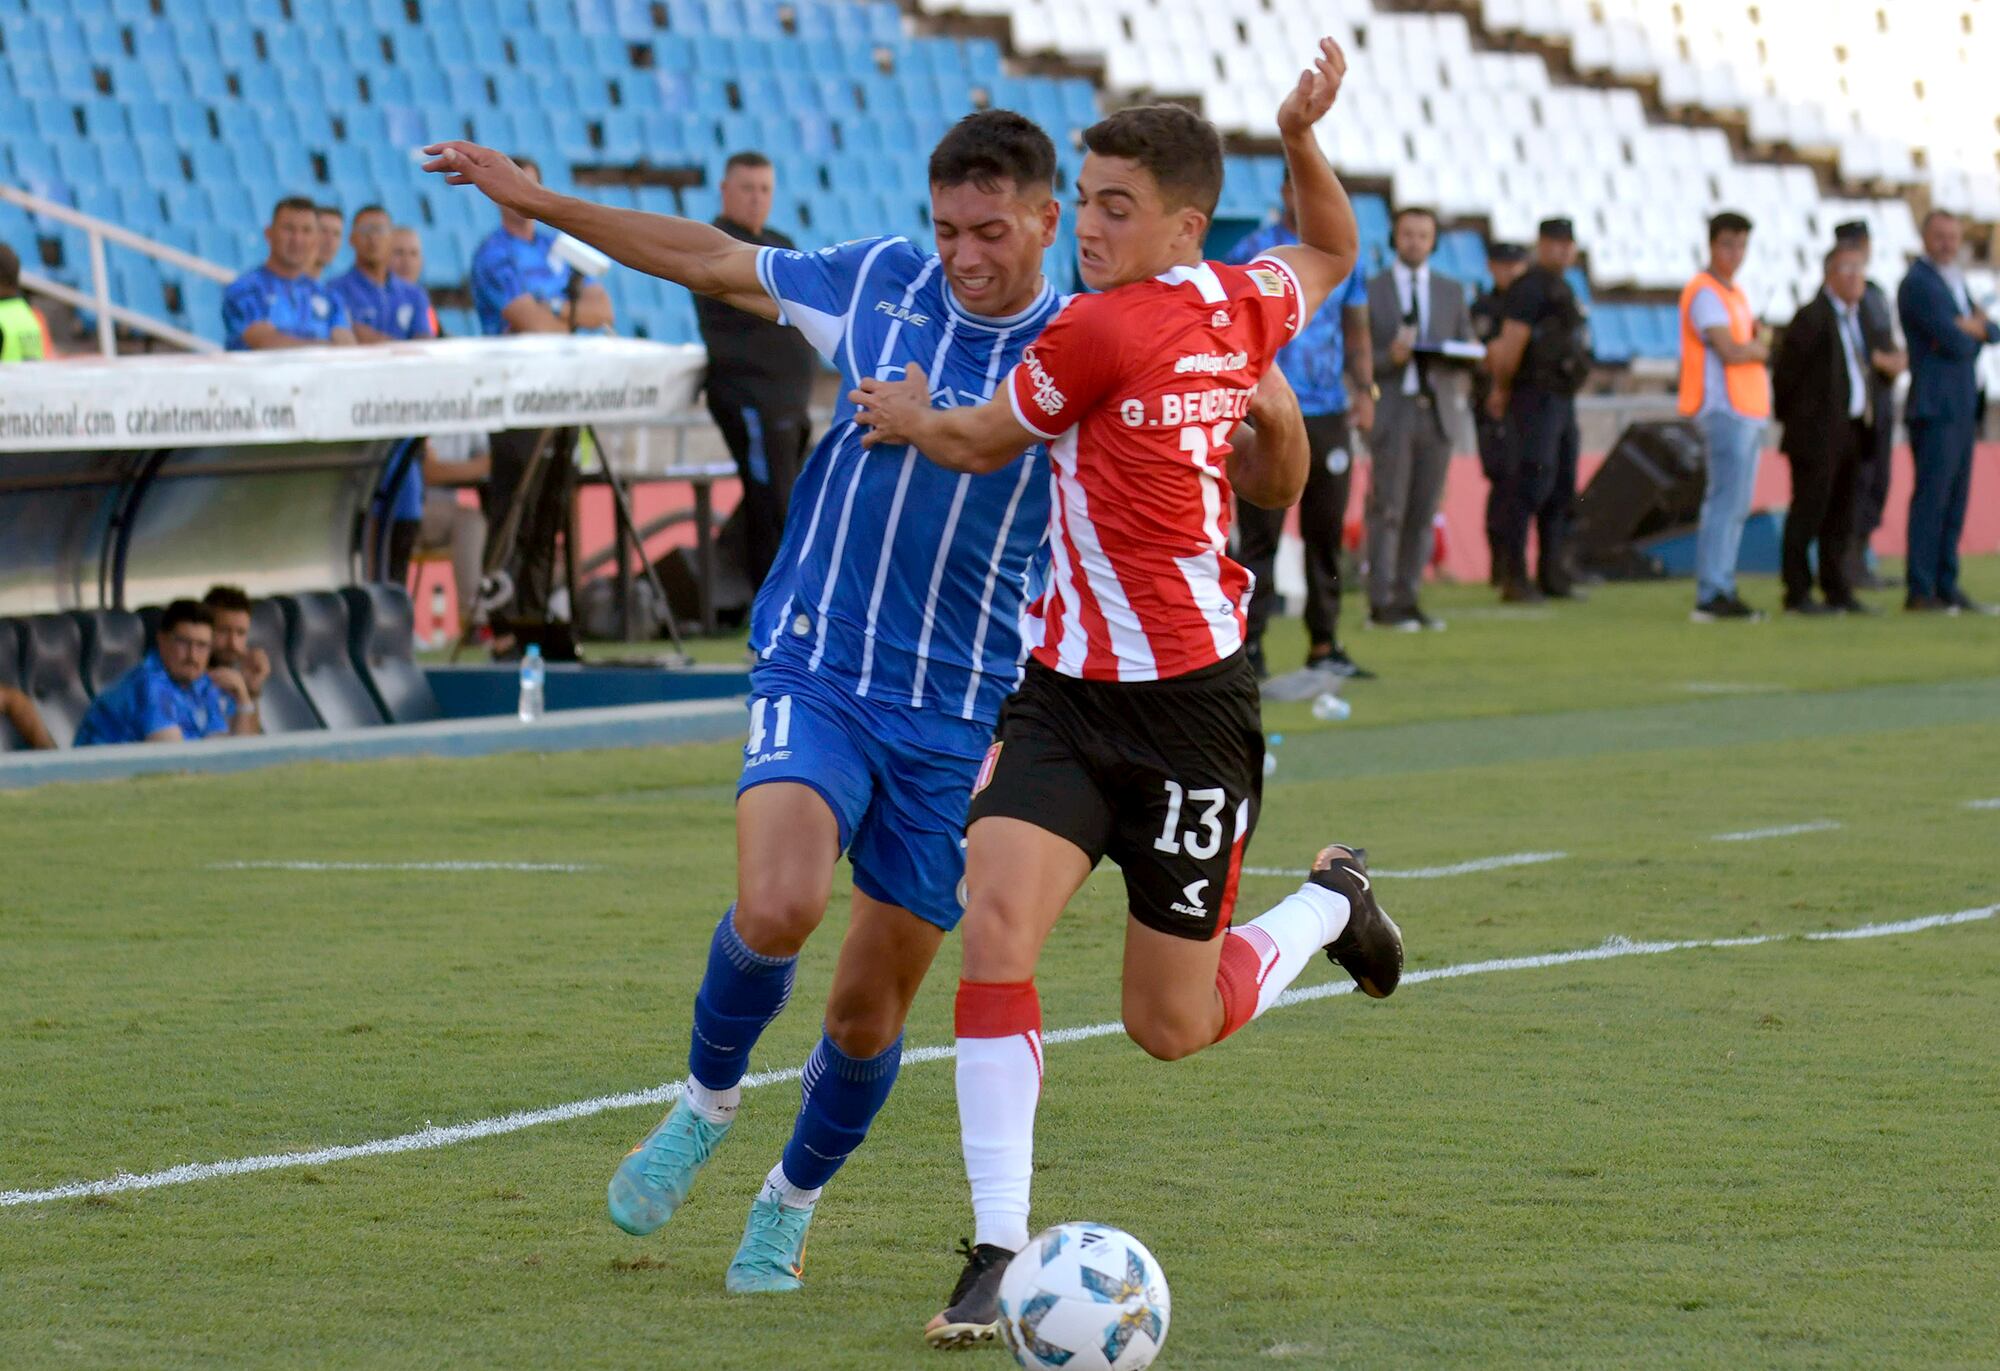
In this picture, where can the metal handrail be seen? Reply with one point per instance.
(100, 232)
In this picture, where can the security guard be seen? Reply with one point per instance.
(1504, 263)
(1538, 363)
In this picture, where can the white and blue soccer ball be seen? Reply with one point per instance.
(1084, 1297)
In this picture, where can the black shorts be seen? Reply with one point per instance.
(1163, 777)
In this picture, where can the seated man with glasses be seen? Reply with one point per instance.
(170, 697)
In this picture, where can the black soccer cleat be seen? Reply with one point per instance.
(1370, 948)
(973, 1314)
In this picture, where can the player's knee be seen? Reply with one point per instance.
(774, 917)
(1167, 1037)
(998, 933)
(863, 1026)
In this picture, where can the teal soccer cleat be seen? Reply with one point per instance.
(655, 1177)
(773, 1251)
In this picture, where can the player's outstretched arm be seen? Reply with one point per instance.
(1329, 240)
(977, 439)
(699, 256)
(1269, 469)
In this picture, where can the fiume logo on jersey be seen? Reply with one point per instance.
(1047, 398)
(1209, 363)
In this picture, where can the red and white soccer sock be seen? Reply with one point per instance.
(1263, 957)
(999, 1084)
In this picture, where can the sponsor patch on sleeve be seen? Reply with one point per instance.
(1267, 280)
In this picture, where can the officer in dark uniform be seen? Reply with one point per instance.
(1504, 263)
(1539, 361)
(1887, 361)
(760, 375)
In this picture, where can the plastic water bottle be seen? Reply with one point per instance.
(533, 672)
(440, 635)
(1331, 709)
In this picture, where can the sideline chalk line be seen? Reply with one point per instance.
(1431, 873)
(433, 1136)
(1751, 835)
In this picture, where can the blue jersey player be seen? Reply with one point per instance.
(885, 637)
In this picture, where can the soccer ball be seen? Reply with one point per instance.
(1084, 1297)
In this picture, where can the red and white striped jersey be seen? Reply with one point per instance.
(1137, 391)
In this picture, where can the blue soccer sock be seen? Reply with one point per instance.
(842, 1095)
(741, 992)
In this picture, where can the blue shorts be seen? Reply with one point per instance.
(897, 780)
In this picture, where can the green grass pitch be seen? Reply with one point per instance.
(1780, 1154)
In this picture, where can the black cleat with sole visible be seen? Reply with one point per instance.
(972, 1316)
(1370, 948)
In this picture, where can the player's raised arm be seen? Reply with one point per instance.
(1268, 458)
(1329, 240)
(974, 438)
(699, 256)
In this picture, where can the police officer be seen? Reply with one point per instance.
(1887, 361)
(760, 374)
(1504, 263)
(1538, 363)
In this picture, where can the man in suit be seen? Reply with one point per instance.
(1886, 361)
(1421, 412)
(1945, 330)
(1824, 396)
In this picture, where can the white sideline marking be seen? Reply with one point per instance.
(1729, 687)
(400, 866)
(432, 1136)
(1983, 804)
(1751, 835)
(1432, 873)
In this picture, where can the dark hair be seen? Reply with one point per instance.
(1729, 221)
(230, 599)
(293, 202)
(334, 210)
(994, 146)
(185, 612)
(1420, 210)
(1181, 149)
(372, 209)
(10, 269)
(527, 163)
(749, 158)
(1936, 215)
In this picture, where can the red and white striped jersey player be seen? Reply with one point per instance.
(1136, 732)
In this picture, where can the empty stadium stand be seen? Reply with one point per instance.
(52, 673)
(283, 708)
(381, 626)
(184, 121)
(316, 644)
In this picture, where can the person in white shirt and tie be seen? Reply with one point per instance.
(1823, 396)
(1422, 413)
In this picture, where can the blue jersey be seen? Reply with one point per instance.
(1313, 361)
(505, 268)
(298, 305)
(146, 699)
(896, 577)
(397, 307)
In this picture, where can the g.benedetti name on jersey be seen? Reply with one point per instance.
(1176, 408)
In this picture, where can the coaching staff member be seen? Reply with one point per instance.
(760, 374)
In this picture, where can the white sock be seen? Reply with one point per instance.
(777, 1187)
(1287, 936)
(999, 1084)
(717, 1106)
